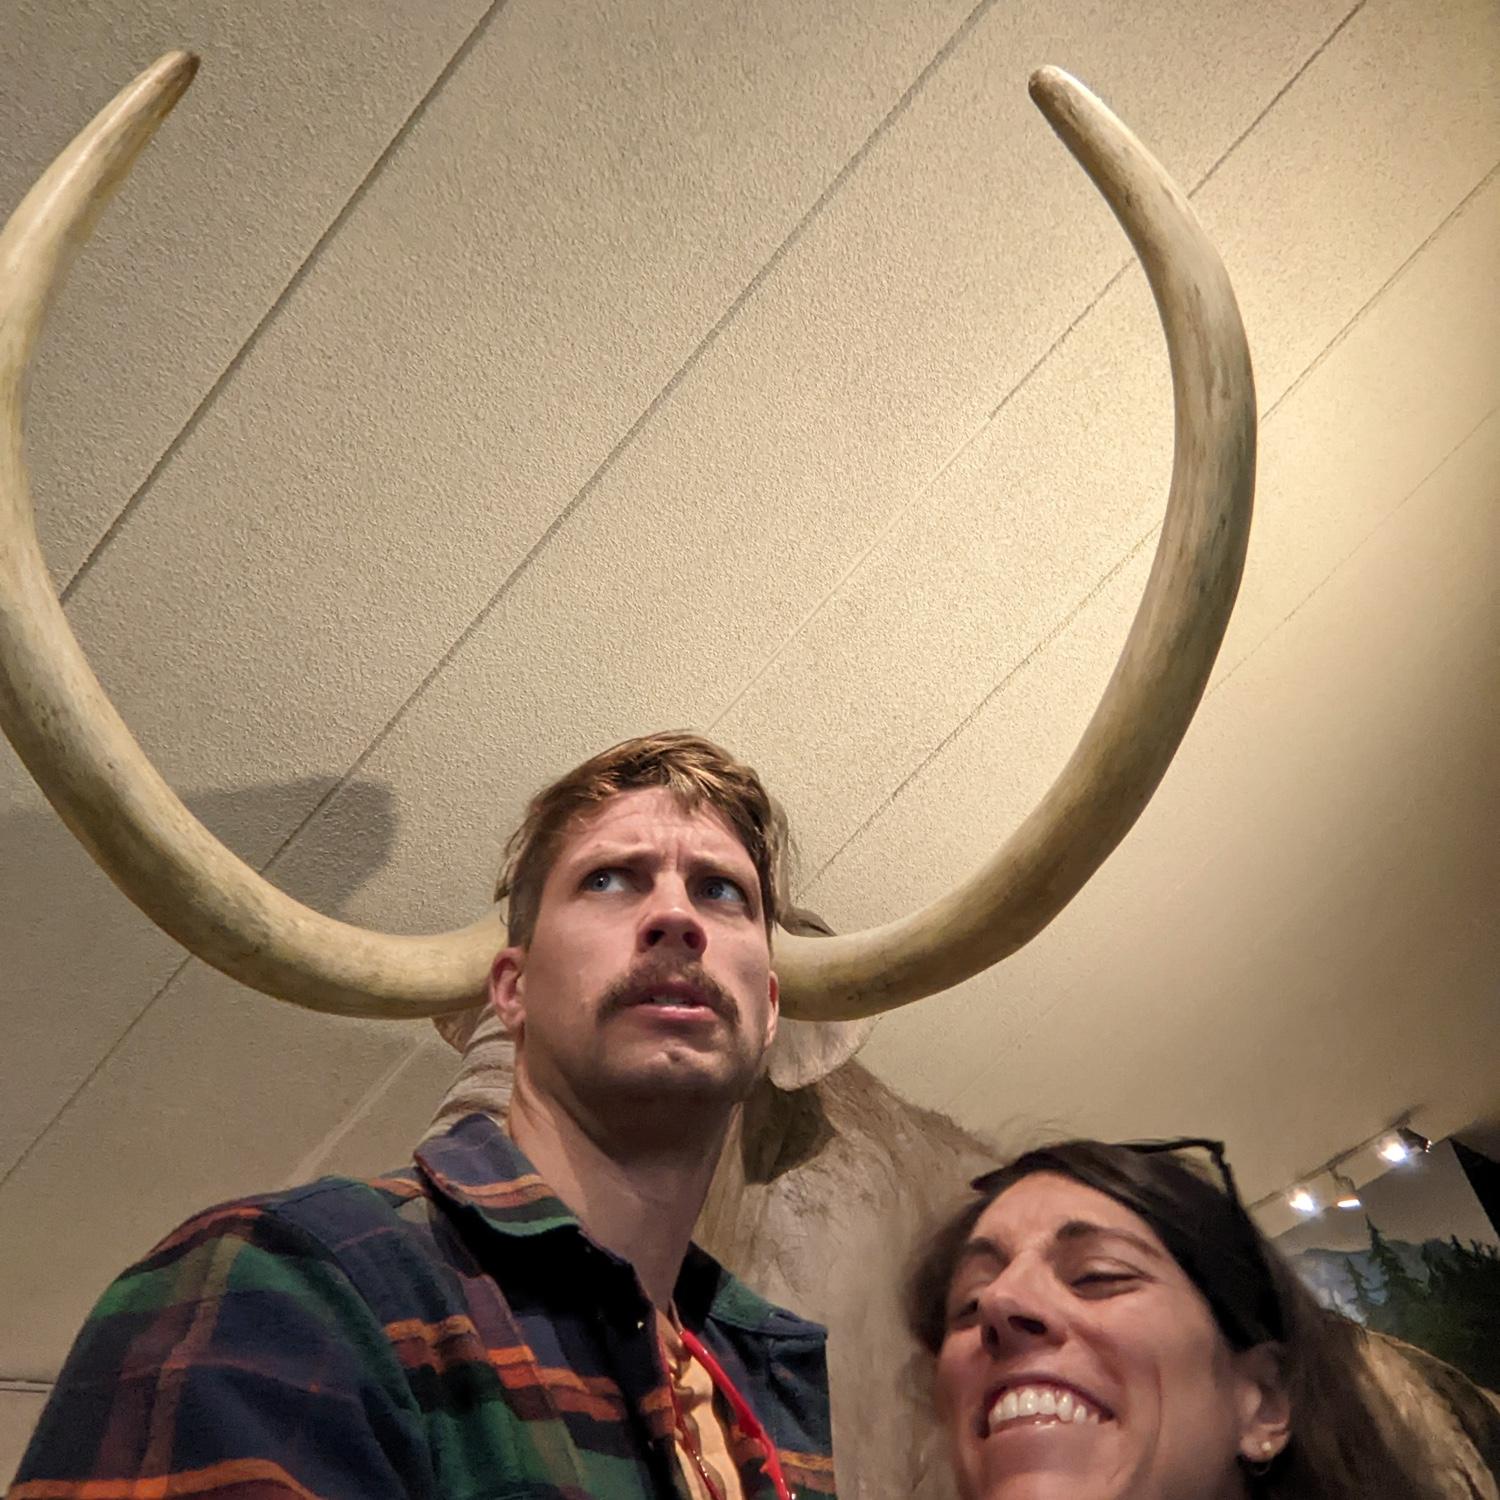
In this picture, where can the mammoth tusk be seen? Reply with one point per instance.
(67, 732)
(75, 745)
(1174, 638)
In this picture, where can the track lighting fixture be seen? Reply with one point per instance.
(1402, 1144)
(1327, 1184)
(1347, 1193)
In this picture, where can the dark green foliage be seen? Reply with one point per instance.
(1454, 1312)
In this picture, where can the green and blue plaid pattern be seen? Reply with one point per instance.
(447, 1331)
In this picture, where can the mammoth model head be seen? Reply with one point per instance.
(75, 745)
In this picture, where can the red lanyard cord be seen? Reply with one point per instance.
(743, 1416)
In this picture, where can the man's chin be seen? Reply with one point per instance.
(678, 1076)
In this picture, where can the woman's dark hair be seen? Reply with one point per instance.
(1347, 1441)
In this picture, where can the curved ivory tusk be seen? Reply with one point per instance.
(67, 732)
(1164, 667)
(96, 776)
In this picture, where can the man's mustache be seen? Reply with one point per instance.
(648, 978)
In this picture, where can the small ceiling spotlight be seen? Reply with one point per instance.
(1302, 1200)
(1348, 1194)
(1402, 1144)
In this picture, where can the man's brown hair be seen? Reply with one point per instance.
(696, 771)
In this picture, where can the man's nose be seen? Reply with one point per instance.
(1014, 1315)
(671, 923)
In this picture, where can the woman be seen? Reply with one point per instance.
(1107, 1322)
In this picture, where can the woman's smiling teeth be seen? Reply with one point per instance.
(1038, 1405)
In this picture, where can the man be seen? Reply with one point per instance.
(521, 1312)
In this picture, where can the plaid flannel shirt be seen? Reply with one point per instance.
(449, 1330)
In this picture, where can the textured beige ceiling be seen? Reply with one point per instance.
(451, 393)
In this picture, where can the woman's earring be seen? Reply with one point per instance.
(1261, 1465)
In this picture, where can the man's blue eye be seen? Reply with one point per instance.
(600, 880)
(721, 888)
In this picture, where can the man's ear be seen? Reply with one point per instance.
(507, 989)
(773, 1015)
(1265, 1408)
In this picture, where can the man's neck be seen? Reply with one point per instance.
(637, 1198)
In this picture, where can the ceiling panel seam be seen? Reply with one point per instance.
(952, 1103)
(964, 445)
(900, 512)
(1359, 546)
(282, 298)
(798, 231)
(607, 463)
(1133, 551)
(806, 882)
(460, 54)
(1057, 629)
(313, 1160)
(1280, 94)
(1456, 212)
(749, 290)
(100, 1062)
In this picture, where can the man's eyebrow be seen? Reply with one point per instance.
(1083, 1229)
(605, 852)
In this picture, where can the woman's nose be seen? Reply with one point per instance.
(1013, 1315)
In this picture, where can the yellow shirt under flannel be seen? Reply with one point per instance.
(702, 1439)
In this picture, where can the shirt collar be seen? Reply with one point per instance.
(477, 1165)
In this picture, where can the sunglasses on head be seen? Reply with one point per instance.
(1215, 1150)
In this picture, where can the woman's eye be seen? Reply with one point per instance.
(963, 1312)
(1104, 1280)
(604, 880)
(722, 888)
